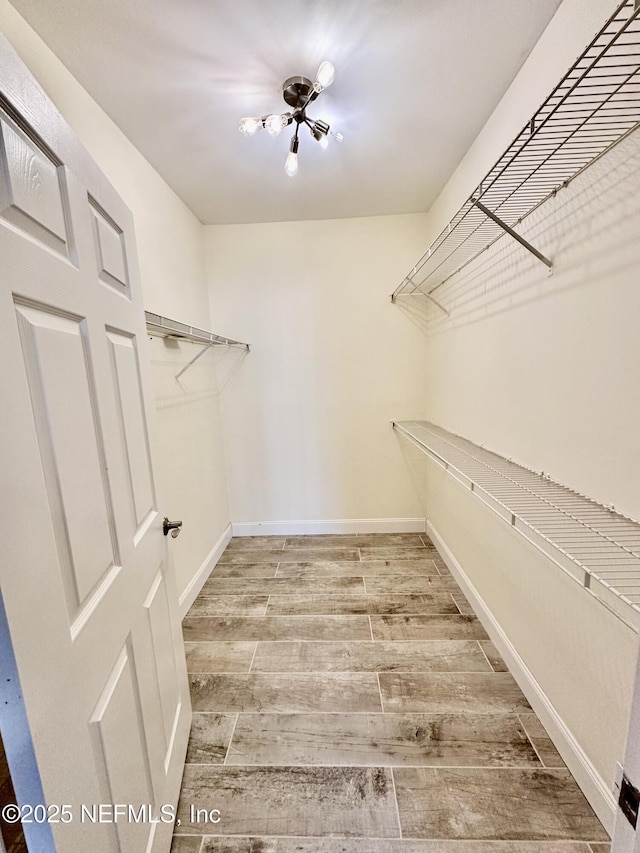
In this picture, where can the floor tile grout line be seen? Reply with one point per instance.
(325, 672)
(533, 746)
(380, 692)
(500, 843)
(319, 640)
(235, 594)
(395, 797)
(287, 600)
(583, 846)
(326, 576)
(371, 627)
(226, 755)
(453, 598)
(371, 712)
(339, 594)
(454, 643)
(511, 714)
(243, 615)
(255, 650)
(497, 769)
(338, 589)
(493, 669)
(320, 615)
(262, 564)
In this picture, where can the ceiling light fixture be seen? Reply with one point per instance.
(298, 92)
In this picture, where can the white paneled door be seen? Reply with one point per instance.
(90, 601)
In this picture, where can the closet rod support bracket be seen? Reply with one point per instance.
(512, 233)
(194, 359)
(436, 303)
(422, 293)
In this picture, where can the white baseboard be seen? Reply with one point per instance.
(593, 786)
(191, 592)
(339, 525)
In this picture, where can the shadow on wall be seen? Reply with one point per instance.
(228, 363)
(418, 465)
(588, 229)
(206, 379)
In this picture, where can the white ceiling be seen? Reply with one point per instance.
(415, 82)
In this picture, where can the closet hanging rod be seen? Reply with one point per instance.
(594, 106)
(166, 328)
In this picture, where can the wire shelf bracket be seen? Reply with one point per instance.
(204, 349)
(165, 328)
(594, 107)
(512, 233)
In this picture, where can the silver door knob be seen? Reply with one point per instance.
(173, 526)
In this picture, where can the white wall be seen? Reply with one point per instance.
(170, 251)
(542, 368)
(191, 459)
(307, 417)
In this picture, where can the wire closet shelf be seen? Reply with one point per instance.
(598, 547)
(163, 327)
(595, 106)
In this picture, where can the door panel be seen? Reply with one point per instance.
(88, 587)
(33, 196)
(126, 377)
(123, 749)
(70, 447)
(110, 250)
(158, 612)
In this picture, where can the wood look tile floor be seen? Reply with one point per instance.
(347, 700)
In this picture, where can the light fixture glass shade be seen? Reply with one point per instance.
(248, 126)
(325, 76)
(275, 123)
(291, 164)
